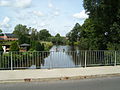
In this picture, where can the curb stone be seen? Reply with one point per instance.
(58, 79)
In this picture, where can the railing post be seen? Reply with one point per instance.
(85, 59)
(11, 62)
(115, 59)
(50, 60)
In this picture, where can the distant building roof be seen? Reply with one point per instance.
(25, 45)
(1, 34)
(10, 35)
(1, 39)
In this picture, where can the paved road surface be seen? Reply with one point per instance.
(109, 83)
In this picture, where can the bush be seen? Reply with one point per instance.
(37, 46)
(1, 49)
(47, 45)
(14, 47)
(76, 43)
(113, 46)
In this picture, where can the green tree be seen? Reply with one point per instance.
(44, 35)
(42, 47)
(105, 17)
(22, 32)
(37, 46)
(14, 46)
(90, 37)
(0, 30)
(57, 35)
(34, 34)
(58, 39)
(74, 34)
(1, 49)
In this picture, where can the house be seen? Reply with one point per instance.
(5, 39)
(24, 47)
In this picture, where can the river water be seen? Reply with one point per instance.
(61, 57)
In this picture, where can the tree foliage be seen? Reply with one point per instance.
(105, 16)
(1, 49)
(34, 34)
(74, 34)
(31, 36)
(44, 35)
(14, 47)
(0, 30)
(58, 39)
(22, 33)
(101, 31)
(37, 46)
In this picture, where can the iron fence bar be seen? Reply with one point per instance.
(115, 58)
(85, 59)
(11, 62)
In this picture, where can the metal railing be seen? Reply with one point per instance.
(55, 59)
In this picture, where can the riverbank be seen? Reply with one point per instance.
(47, 45)
(57, 74)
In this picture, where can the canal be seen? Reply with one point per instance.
(61, 57)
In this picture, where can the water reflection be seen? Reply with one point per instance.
(68, 56)
(62, 57)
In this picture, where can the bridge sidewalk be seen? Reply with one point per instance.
(57, 74)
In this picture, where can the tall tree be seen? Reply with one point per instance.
(44, 34)
(57, 35)
(0, 30)
(74, 34)
(34, 34)
(58, 39)
(22, 32)
(105, 18)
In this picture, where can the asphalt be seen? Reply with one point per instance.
(106, 83)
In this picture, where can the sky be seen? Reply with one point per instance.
(57, 16)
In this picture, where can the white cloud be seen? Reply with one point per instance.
(81, 15)
(56, 13)
(38, 13)
(16, 3)
(4, 3)
(34, 22)
(23, 3)
(50, 5)
(42, 24)
(5, 22)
